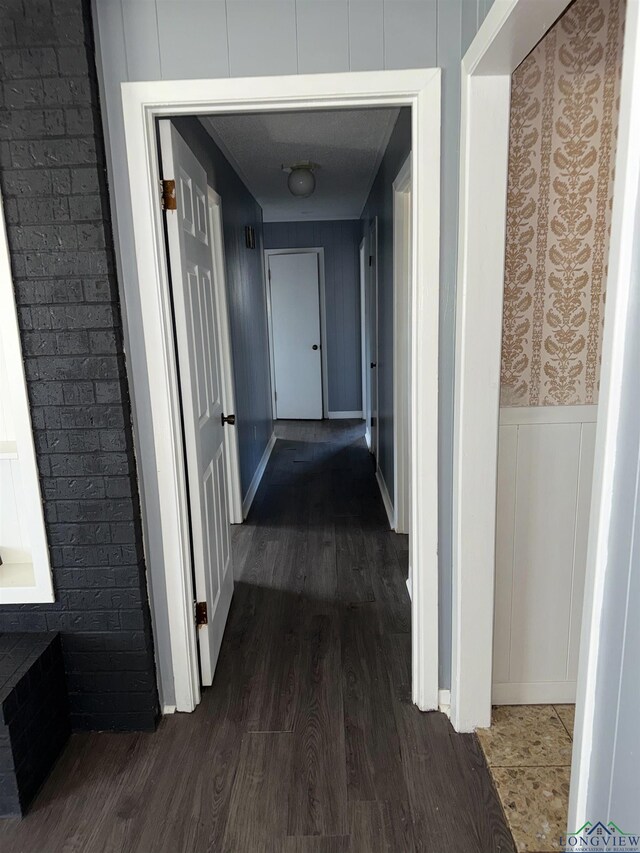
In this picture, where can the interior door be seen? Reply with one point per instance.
(294, 288)
(197, 323)
(373, 336)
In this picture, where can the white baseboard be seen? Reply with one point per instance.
(168, 709)
(444, 702)
(386, 500)
(257, 477)
(336, 416)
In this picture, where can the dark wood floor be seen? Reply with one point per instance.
(308, 741)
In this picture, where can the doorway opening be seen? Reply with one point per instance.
(549, 319)
(166, 489)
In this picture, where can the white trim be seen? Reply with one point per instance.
(534, 693)
(386, 499)
(444, 702)
(336, 416)
(319, 251)
(257, 477)
(512, 415)
(168, 709)
(15, 397)
(152, 367)
(616, 375)
(402, 189)
(231, 447)
(509, 32)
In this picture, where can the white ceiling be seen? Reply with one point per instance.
(348, 145)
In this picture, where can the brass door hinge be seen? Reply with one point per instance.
(168, 195)
(201, 613)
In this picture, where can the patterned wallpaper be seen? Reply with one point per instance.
(564, 113)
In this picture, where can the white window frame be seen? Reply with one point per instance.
(153, 368)
(15, 396)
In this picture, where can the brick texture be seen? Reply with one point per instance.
(34, 715)
(52, 175)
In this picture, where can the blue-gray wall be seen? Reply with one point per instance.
(245, 290)
(171, 39)
(380, 204)
(340, 241)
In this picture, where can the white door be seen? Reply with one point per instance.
(372, 292)
(364, 344)
(294, 288)
(197, 322)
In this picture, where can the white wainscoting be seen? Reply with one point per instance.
(545, 468)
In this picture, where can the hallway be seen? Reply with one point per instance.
(308, 741)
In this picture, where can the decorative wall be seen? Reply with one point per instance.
(564, 114)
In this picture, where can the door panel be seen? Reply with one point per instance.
(197, 323)
(295, 330)
(373, 336)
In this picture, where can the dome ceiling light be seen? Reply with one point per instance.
(301, 180)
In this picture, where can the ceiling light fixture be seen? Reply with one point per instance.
(301, 180)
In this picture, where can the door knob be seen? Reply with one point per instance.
(227, 419)
(315, 346)
(373, 364)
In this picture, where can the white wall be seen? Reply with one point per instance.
(545, 469)
(169, 39)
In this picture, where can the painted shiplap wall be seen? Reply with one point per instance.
(246, 298)
(340, 241)
(169, 39)
(380, 204)
(545, 469)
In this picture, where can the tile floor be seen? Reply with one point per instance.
(528, 749)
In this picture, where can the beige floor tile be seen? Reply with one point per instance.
(525, 736)
(567, 715)
(535, 802)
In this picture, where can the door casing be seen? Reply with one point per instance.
(153, 372)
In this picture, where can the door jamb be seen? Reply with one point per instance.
(152, 368)
(232, 451)
(319, 252)
(402, 189)
(510, 31)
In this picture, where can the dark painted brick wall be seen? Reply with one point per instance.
(52, 174)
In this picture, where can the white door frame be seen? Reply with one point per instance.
(319, 251)
(153, 370)
(362, 260)
(510, 31)
(402, 188)
(232, 451)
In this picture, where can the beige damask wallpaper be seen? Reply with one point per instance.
(564, 114)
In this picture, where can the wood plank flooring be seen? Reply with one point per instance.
(308, 741)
